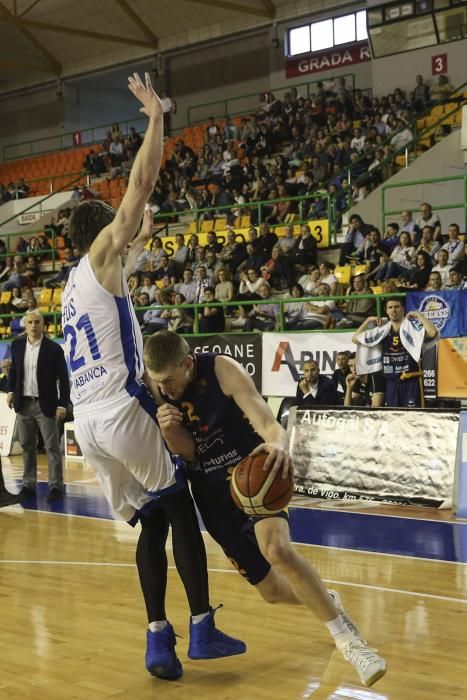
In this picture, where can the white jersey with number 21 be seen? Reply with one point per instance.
(104, 345)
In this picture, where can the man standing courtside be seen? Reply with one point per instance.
(115, 415)
(38, 365)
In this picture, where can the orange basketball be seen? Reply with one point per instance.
(256, 491)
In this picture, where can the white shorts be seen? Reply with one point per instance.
(122, 442)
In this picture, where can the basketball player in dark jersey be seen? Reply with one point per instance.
(213, 416)
(402, 374)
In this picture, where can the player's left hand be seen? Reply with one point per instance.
(168, 416)
(415, 314)
(278, 458)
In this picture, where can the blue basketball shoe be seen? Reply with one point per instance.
(161, 659)
(207, 642)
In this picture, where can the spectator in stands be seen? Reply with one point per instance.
(328, 277)
(142, 301)
(442, 266)
(202, 281)
(418, 277)
(427, 244)
(356, 310)
(391, 237)
(17, 303)
(315, 389)
(187, 288)
(157, 319)
(402, 137)
(310, 280)
(263, 317)
(277, 270)
(5, 367)
(151, 259)
(317, 315)
(17, 277)
(305, 251)
(440, 91)
(211, 318)
(340, 373)
(421, 94)
(409, 225)
(116, 153)
(224, 290)
(287, 242)
(116, 132)
(166, 269)
(68, 262)
(32, 270)
(400, 261)
(233, 253)
(212, 245)
(6, 266)
(22, 188)
(148, 287)
(365, 389)
(455, 278)
(375, 253)
(266, 241)
(293, 311)
(454, 246)
(435, 283)
(180, 319)
(428, 218)
(354, 239)
(211, 132)
(94, 163)
(134, 140)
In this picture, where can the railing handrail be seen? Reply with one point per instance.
(278, 88)
(280, 302)
(425, 181)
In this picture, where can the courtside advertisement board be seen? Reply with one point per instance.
(285, 353)
(401, 457)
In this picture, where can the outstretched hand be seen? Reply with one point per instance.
(145, 94)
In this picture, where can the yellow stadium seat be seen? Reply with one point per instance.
(45, 297)
(343, 273)
(5, 297)
(377, 290)
(359, 270)
(57, 296)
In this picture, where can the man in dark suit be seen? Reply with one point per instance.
(37, 365)
(315, 389)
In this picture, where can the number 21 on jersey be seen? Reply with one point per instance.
(83, 324)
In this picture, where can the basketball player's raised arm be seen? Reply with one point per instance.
(114, 238)
(238, 385)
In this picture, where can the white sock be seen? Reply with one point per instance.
(198, 618)
(337, 626)
(158, 625)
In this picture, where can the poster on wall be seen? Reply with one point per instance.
(244, 347)
(285, 353)
(445, 309)
(377, 455)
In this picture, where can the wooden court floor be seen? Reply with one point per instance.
(72, 621)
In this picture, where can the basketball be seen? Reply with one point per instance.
(258, 492)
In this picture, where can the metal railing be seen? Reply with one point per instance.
(413, 183)
(281, 321)
(250, 103)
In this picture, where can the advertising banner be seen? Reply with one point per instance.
(452, 368)
(244, 347)
(377, 455)
(327, 60)
(284, 355)
(446, 310)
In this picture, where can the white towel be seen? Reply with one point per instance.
(369, 354)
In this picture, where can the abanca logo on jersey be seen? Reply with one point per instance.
(436, 309)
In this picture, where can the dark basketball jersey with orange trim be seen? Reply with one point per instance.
(223, 435)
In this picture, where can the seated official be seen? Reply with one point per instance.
(315, 389)
(363, 389)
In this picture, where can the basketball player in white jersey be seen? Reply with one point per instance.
(114, 413)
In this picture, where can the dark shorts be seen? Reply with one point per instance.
(231, 528)
(404, 394)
